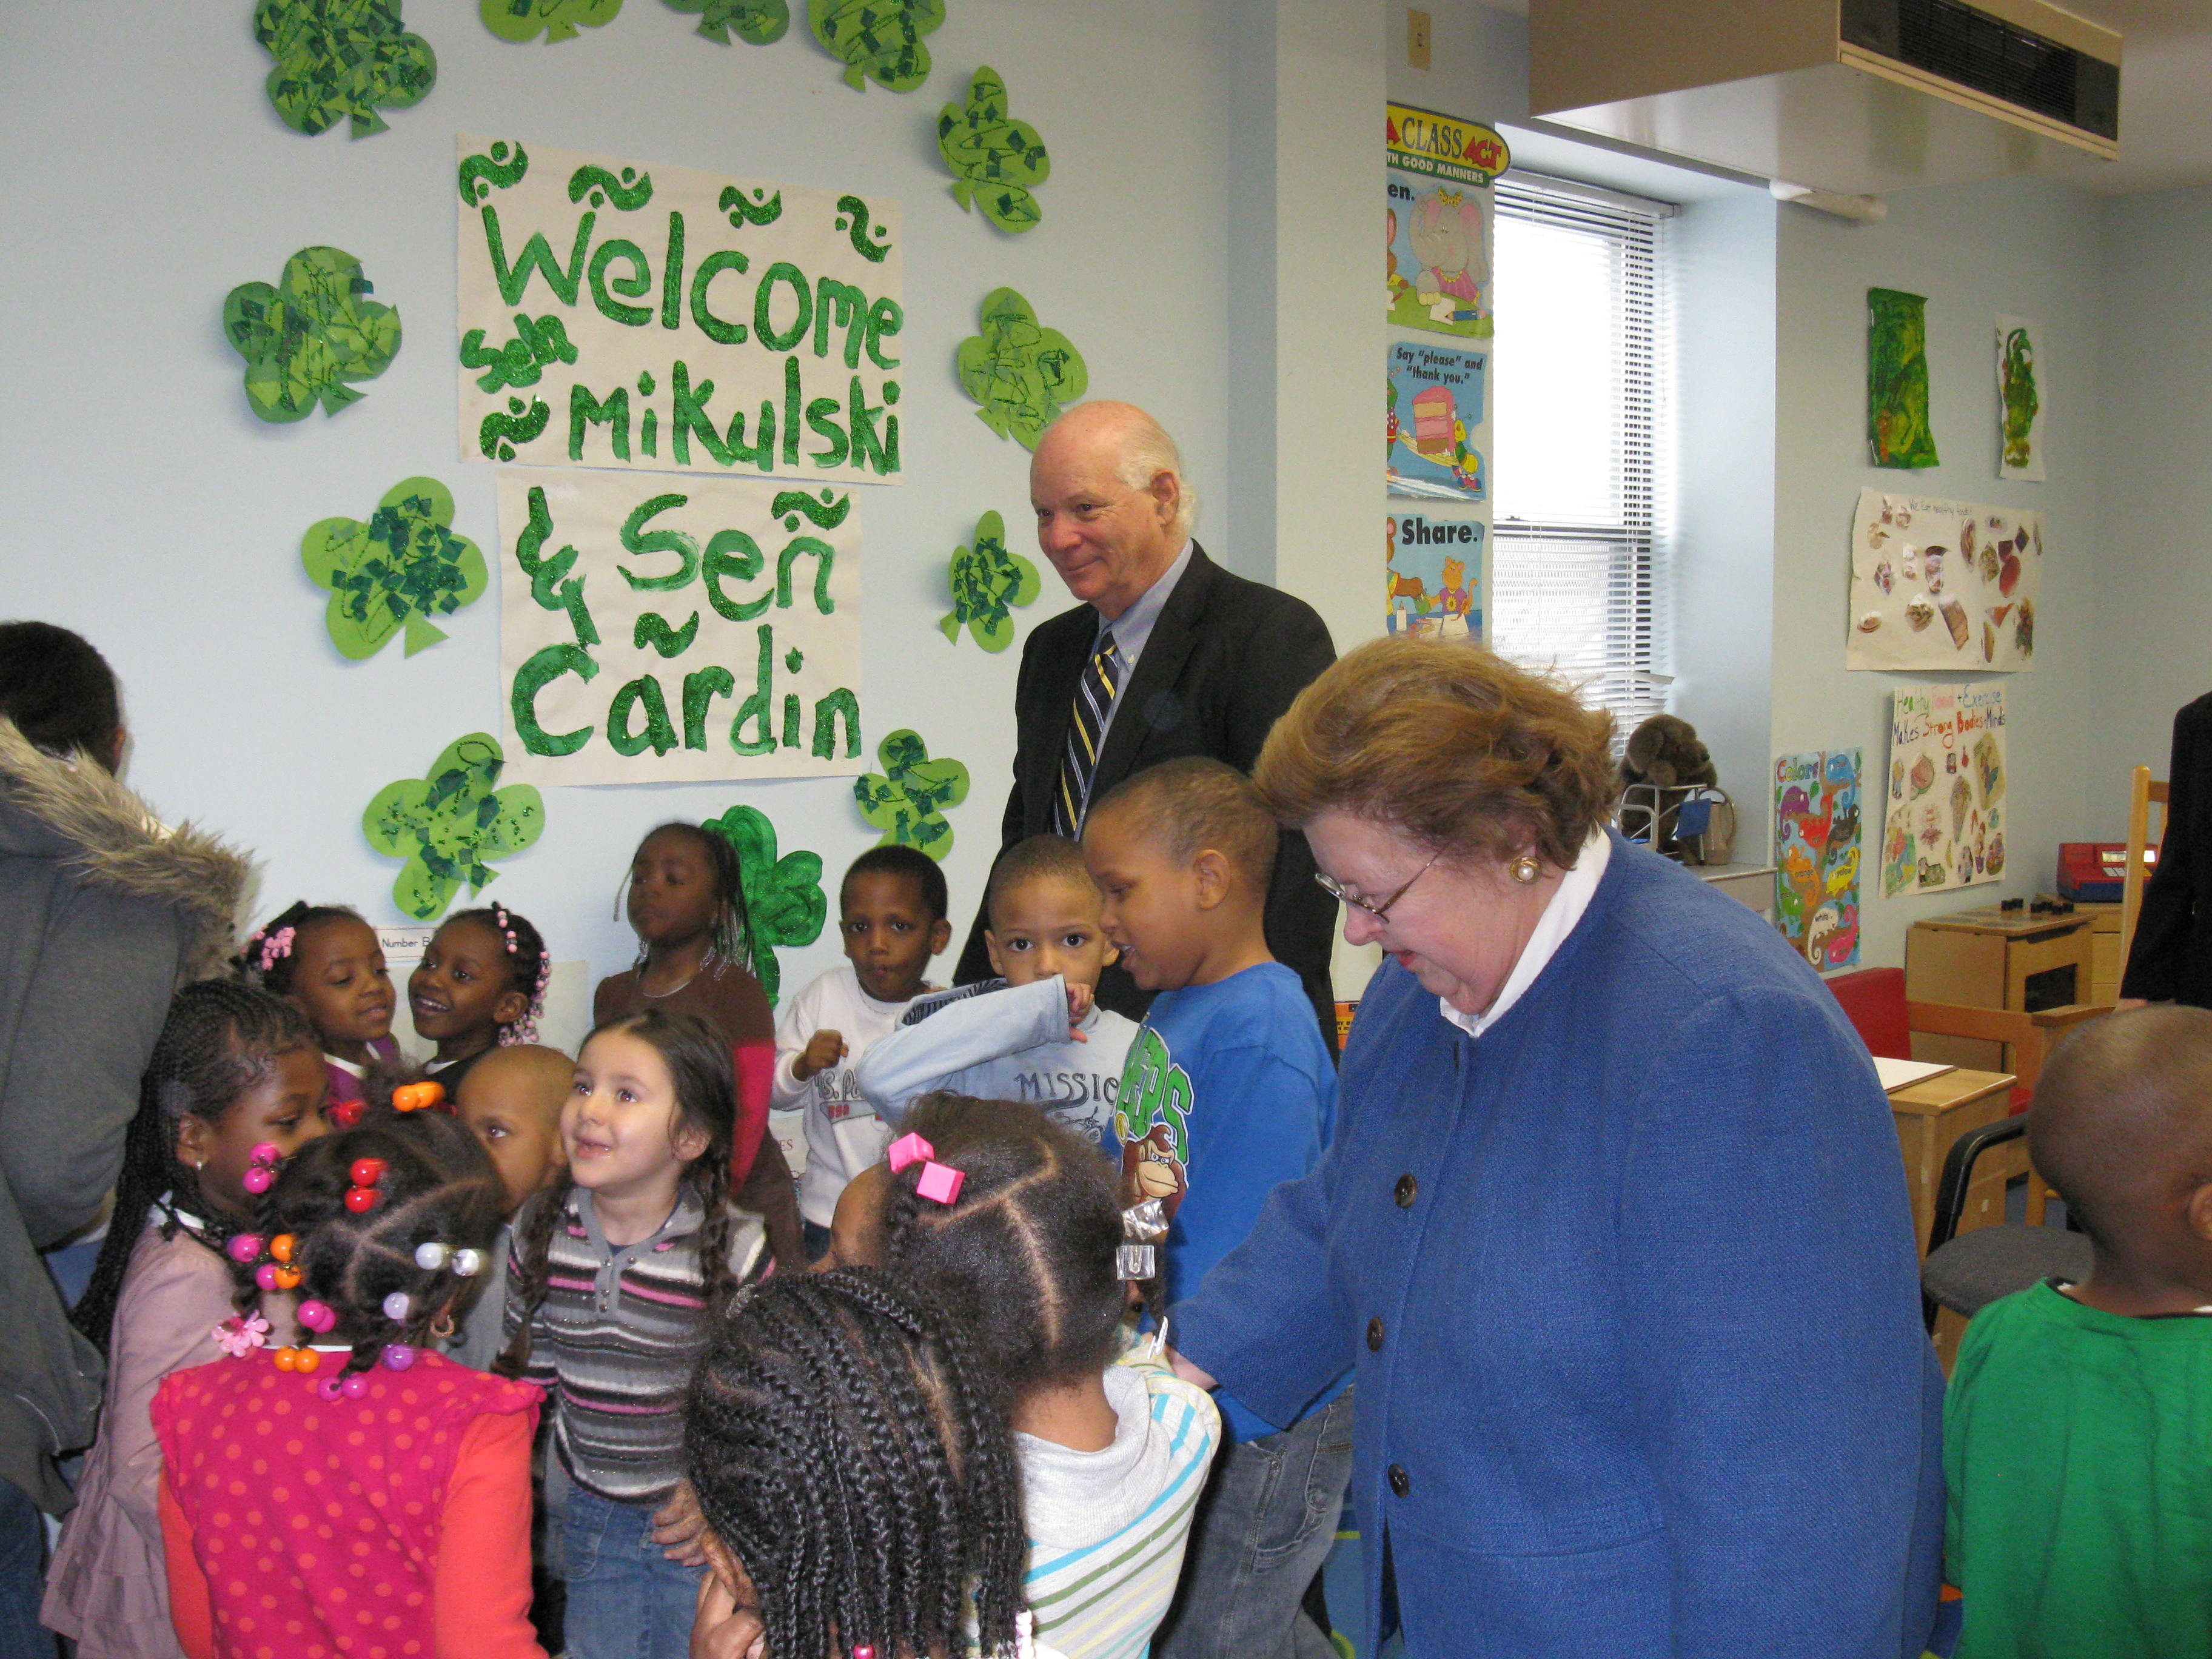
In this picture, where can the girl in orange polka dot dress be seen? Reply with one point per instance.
(352, 1492)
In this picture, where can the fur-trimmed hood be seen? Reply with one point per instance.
(83, 819)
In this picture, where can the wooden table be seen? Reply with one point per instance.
(1933, 1114)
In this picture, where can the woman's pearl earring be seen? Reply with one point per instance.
(1525, 869)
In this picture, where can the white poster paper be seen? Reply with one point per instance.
(665, 320)
(694, 630)
(1945, 820)
(1942, 585)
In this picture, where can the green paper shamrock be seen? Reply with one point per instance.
(758, 22)
(1022, 374)
(342, 58)
(878, 40)
(521, 20)
(450, 823)
(303, 341)
(987, 582)
(403, 567)
(907, 800)
(784, 902)
(993, 159)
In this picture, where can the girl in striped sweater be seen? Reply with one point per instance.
(620, 1273)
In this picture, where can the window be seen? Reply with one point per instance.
(1577, 582)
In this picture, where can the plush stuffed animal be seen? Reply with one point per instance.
(1665, 750)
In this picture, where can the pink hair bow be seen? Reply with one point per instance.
(940, 1184)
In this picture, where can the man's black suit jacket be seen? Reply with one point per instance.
(2170, 960)
(1224, 659)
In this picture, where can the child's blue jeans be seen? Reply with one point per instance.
(626, 1598)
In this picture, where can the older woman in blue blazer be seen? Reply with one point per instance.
(1615, 1229)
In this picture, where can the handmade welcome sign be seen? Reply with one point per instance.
(669, 630)
(664, 320)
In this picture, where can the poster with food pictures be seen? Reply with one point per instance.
(1945, 809)
(1942, 585)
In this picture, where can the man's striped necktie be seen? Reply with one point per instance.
(1094, 701)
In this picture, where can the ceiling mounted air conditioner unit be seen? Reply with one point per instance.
(1853, 96)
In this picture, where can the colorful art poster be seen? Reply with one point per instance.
(1944, 822)
(1898, 430)
(1942, 585)
(1433, 576)
(1436, 225)
(663, 319)
(1816, 854)
(2020, 400)
(666, 630)
(1435, 405)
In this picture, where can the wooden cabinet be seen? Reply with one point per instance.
(1990, 958)
(2105, 964)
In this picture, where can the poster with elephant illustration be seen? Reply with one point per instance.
(1942, 585)
(1945, 810)
(1816, 854)
(1436, 225)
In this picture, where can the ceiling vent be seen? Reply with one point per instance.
(1854, 96)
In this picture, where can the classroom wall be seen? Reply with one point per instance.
(152, 513)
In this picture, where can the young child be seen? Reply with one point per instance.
(351, 1491)
(481, 984)
(620, 1272)
(511, 1101)
(325, 959)
(1228, 1092)
(687, 902)
(891, 914)
(852, 1459)
(1032, 1034)
(234, 1086)
(2076, 1445)
(1113, 1455)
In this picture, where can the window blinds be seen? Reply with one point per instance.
(1578, 585)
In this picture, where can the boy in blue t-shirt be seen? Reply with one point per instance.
(1228, 1093)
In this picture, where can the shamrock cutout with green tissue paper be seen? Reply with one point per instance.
(756, 22)
(392, 573)
(987, 582)
(1021, 373)
(559, 19)
(878, 40)
(784, 900)
(906, 800)
(303, 341)
(995, 160)
(450, 823)
(342, 58)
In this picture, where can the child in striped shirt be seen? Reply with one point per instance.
(620, 1272)
(1113, 1452)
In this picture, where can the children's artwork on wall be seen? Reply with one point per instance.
(996, 160)
(1432, 577)
(906, 800)
(706, 632)
(1435, 404)
(1816, 854)
(1021, 373)
(784, 902)
(391, 574)
(987, 580)
(1437, 220)
(342, 59)
(303, 340)
(1942, 585)
(1898, 430)
(2020, 400)
(1945, 821)
(450, 823)
(878, 40)
(756, 22)
(556, 20)
(667, 320)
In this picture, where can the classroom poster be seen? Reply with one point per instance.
(1944, 823)
(1898, 431)
(662, 319)
(1436, 223)
(2020, 400)
(1942, 585)
(1434, 406)
(663, 631)
(1816, 854)
(1432, 577)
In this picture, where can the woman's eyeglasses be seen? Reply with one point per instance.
(1337, 890)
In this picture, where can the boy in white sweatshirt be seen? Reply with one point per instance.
(1032, 1034)
(890, 915)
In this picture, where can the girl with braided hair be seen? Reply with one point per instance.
(481, 983)
(326, 961)
(621, 1273)
(850, 1450)
(354, 1492)
(233, 1088)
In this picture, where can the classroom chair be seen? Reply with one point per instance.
(1874, 1000)
(1966, 1271)
(2143, 791)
